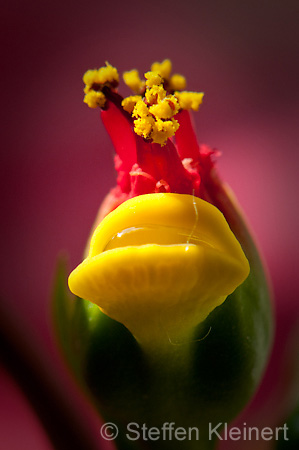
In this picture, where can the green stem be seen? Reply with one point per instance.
(169, 367)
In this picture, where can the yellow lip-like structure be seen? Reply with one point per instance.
(159, 264)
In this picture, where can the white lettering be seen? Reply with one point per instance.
(235, 431)
(214, 430)
(153, 434)
(180, 431)
(134, 431)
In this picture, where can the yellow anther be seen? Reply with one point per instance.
(95, 81)
(166, 108)
(177, 82)
(143, 126)
(95, 99)
(133, 80)
(164, 68)
(140, 109)
(128, 103)
(189, 100)
(91, 77)
(155, 94)
(153, 78)
(108, 74)
(162, 130)
(154, 113)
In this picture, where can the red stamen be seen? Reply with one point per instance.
(120, 129)
(185, 137)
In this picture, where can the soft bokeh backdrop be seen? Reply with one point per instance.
(57, 160)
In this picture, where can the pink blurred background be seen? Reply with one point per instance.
(57, 160)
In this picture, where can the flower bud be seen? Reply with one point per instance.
(176, 321)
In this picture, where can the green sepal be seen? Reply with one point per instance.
(70, 325)
(62, 309)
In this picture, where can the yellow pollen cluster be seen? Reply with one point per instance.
(160, 76)
(153, 79)
(163, 129)
(128, 103)
(133, 81)
(177, 82)
(154, 94)
(166, 108)
(189, 100)
(94, 99)
(154, 113)
(95, 81)
(164, 68)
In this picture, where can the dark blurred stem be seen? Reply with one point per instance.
(66, 426)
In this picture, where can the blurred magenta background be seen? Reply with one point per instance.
(57, 161)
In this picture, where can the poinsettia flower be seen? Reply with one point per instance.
(172, 259)
(164, 242)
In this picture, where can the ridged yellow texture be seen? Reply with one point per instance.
(159, 264)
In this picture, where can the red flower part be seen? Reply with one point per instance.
(120, 129)
(185, 137)
(165, 166)
(144, 167)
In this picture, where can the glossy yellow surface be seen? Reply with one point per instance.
(160, 263)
